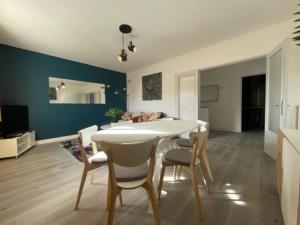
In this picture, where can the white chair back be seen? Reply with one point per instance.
(86, 134)
(199, 140)
(130, 154)
(202, 123)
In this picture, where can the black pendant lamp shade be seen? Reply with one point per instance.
(123, 56)
(131, 47)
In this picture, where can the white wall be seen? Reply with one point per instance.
(241, 48)
(225, 114)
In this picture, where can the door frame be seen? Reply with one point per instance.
(196, 74)
(271, 137)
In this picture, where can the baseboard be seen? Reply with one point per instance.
(51, 140)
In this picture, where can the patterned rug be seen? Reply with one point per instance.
(72, 147)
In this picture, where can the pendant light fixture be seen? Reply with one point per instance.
(61, 85)
(126, 29)
(131, 46)
(123, 56)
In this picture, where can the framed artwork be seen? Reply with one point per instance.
(152, 87)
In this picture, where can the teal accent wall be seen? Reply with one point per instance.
(24, 81)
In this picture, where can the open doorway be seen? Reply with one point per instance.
(220, 100)
(253, 103)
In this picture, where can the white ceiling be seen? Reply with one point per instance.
(87, 30)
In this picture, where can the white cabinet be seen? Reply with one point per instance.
(204, 114)
(13, 147)
(290, 183)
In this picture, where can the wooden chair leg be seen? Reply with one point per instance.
(196, 192)
(121, 199)
(205, 177)
(108, 194)
(151, 194)
(83, 178)
(112, 206)
(207, 165)
(175, 172)
(161, 180)
(179, 172)
(92, 176)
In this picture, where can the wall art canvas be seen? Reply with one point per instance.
(152, 87)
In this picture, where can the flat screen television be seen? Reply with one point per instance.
(14, 120)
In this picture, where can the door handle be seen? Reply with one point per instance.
(281, 107)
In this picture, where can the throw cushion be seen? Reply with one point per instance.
(127, 116)
(136, 119)
(145, 117)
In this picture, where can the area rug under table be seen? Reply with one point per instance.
(72, 147)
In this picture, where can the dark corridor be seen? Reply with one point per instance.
(253, 103)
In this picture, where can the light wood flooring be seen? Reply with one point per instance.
(40, 188)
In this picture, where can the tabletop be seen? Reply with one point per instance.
(145, 130)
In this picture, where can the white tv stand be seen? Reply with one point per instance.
(13, 147)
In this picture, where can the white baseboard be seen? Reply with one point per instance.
(51, 140)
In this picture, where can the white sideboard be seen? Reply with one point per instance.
(289, 176)
(13, 147)
(204, 114)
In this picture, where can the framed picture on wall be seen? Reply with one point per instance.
(152, 87)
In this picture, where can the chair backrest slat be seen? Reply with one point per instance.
(202, 125)
(129, 154)
(86, 134)
(82, 151)
(199, 140)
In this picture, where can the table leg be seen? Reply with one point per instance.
(163, 147)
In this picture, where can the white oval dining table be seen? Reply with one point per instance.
(136, 132)
(125, 133)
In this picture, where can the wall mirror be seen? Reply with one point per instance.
(64, 91)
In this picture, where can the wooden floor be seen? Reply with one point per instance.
(41, 186)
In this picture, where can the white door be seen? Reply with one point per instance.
(276, 97)
(187, 96)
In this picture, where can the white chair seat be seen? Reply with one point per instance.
(99, 157)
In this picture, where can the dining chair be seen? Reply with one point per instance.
(184, 143)
(131, 165)
(85, 135)
(90, 163)
(188, 160)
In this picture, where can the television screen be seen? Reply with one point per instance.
(13, 120)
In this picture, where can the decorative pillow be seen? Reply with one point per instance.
(136, 119)
(127, 116)
(144, 117)
(154, 116)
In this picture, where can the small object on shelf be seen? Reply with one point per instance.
(14, 147)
